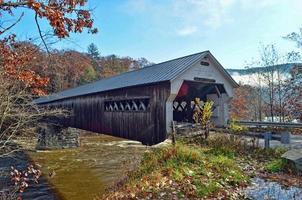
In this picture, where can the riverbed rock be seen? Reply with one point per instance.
(295, 156)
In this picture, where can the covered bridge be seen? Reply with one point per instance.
(141, 104)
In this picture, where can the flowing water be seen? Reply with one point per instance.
(80, 173)
(261, 189)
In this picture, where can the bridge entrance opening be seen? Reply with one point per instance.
(183, 104)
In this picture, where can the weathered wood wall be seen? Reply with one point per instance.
(148, 126)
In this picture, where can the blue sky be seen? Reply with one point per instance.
(164, 29)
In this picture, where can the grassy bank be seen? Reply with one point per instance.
(193, 169)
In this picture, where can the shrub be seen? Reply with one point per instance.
(202, 114)
(236, 128)
(179, 155)
(227, 145)
(206, 117)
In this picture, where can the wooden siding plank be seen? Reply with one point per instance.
(149, 126)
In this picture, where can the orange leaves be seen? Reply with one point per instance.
(39, 92)
(239, 104)
(34, 5)
(63, 16)
(31, 79)
(22, 179)
(16, 60)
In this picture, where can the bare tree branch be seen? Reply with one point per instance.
(12, 25)
(13, 4)
(40, 32)
(18, 115)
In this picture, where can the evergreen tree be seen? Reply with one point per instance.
(94, 55)
(93, 52)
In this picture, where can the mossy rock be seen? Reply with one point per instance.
(295, 156)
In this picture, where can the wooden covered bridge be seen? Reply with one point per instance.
(141, 104)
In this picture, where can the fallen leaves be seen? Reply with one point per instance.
(182, 174)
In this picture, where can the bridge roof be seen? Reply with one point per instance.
(165, 71)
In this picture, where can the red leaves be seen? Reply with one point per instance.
(239, 109)
(21, 179)
(64, 16)
(34, 5)
(16, 60)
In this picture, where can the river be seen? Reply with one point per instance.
(79, 173)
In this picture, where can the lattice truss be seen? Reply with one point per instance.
(127, 105)
(183, 106)
(180, 106)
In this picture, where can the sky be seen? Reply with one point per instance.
(159, 30)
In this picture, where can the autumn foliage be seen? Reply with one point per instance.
(15, 60)
(64, 16)
(239, 104)
(22, 179)
(18, 60)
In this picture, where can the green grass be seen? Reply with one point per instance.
(276, 165)
(195, 169)
(279, 165)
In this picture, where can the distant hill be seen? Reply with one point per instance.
(283, 68)
(246, 76)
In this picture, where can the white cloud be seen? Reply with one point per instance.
(252, 4)
(183, 17)
(189, 30)
(210, 13)
(192, 17)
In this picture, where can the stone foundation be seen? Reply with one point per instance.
(51, 136)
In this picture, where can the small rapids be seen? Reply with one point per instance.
(261, 189)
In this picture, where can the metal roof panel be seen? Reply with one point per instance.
(164, 71)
